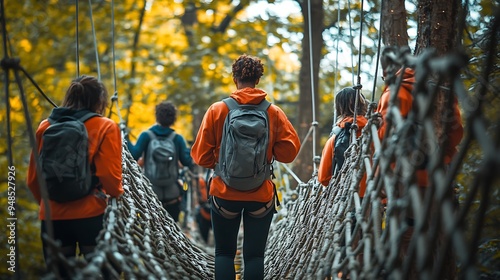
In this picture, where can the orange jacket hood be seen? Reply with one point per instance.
(249, 95)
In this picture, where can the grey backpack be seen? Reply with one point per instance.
(243, 163)
(161, 165)
(64, 159)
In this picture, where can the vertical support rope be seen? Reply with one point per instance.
(336, 65)
(360, 42)
(358, 85)
(114, 98)
(95, 41)
(9, 127)
(378, 50)
(6, 84)
(350, 37)
(314, 122)
(77, 42)
(113, 44)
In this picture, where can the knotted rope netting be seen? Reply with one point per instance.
(323, 233)
(332, 232)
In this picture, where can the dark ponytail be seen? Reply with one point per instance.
(86, 92)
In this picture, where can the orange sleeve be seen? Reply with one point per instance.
(32, 178)
(108, 160)
(405, 100)
(382, 107)
(325, 168)
(205, 149)
(287, 142)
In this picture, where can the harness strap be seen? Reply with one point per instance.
(259, 213)
(223, 212)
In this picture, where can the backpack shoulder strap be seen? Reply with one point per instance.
(264, 105)
(87, 116)
(231, 103)
(171, 136)
(151, 134)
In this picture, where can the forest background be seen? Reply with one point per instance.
(182, 51)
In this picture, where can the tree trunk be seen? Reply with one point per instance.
(437, 25)
(304, 161)
(437, 29)
(394, 27)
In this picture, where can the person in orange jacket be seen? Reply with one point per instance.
(256, 206)
(78, 222)
(404, 103)
(345, 107)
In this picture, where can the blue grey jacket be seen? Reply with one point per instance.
(141, 145)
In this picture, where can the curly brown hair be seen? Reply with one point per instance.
(86, 92)
(166, 113)
(247, 68)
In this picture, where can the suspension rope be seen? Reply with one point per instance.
(358, 86)
(37, 86)
(360, 43)
(113, 43)
(114, 98)
(351, 39)
(6, 83)
(77, 42)
(336, 65)
(311, 71)
(8, 64)
(379, 41)
(95, 41)
(290, 171)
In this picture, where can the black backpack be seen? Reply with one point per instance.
(243, 163)
(64, 159)
(161, 165)
(341, 143)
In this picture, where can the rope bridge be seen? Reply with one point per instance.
(320, 232)
(324, 233)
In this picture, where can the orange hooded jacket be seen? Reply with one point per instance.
(405, 100)
(105, 147)
(284, 144)
(325, 169)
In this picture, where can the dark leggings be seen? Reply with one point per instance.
(70, 234)
(255, 232)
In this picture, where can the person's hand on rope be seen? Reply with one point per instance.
(124, 129)
(377, 119)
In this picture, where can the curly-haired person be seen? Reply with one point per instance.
(229, 204)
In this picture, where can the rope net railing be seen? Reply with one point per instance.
(332, 232)
(325, 233)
